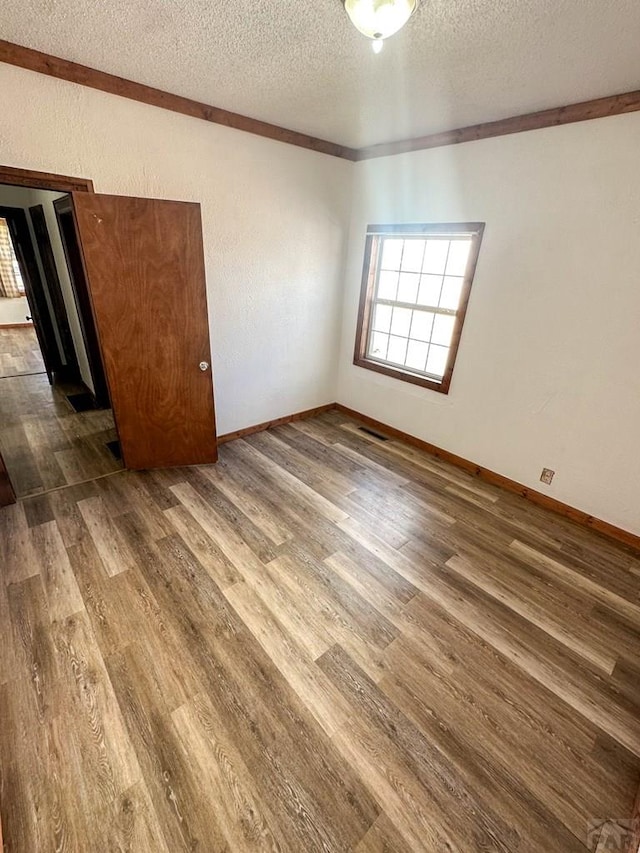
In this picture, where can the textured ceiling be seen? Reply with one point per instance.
(301, 64)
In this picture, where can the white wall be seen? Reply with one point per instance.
(13, 310)
(547, 372)
(274, 222)
(547, 368)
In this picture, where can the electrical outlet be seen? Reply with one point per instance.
(547, 476)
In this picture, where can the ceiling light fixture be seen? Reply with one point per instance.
(379, 19)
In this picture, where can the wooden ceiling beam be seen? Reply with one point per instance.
(73, 72)
(628, 102)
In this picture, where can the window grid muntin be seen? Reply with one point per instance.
(394, 303)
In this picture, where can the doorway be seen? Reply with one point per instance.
(138, 320)
(56, 424)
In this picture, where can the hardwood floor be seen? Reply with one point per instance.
(44, 442)
(19, 352)
(323, 642)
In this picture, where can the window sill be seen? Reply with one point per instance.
(441, 387)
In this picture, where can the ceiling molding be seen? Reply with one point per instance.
(73, 72)
(584, 111)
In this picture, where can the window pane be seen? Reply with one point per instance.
(410, 300)
(401, 322)
(412, 255)
(397, 350)
(408, 287)
(416, 355)
(458, 256)
(391, 254)
(421, 325)
(435, 256)
(387, 285)
(429, 293)
(442, 329)
(382, 318)
(450, 296)
(378, 345)
(437, 360)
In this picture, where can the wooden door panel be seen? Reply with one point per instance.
(145, 269)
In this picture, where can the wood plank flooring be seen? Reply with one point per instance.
(19, 352)
(326, 642)
(44, 442)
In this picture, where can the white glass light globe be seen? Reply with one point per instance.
(379, 19)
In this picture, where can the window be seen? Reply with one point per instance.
(11, 284)
(415, 288)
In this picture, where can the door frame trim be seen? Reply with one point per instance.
(44, 180)
(45, 249)
(19, 177)
(63, 206)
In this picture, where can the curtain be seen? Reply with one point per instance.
(11, 285)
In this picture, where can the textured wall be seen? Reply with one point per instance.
(274, 220)
(547, 371)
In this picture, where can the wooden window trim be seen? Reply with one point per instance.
(369, 275)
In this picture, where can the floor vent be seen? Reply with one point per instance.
(373, 433)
